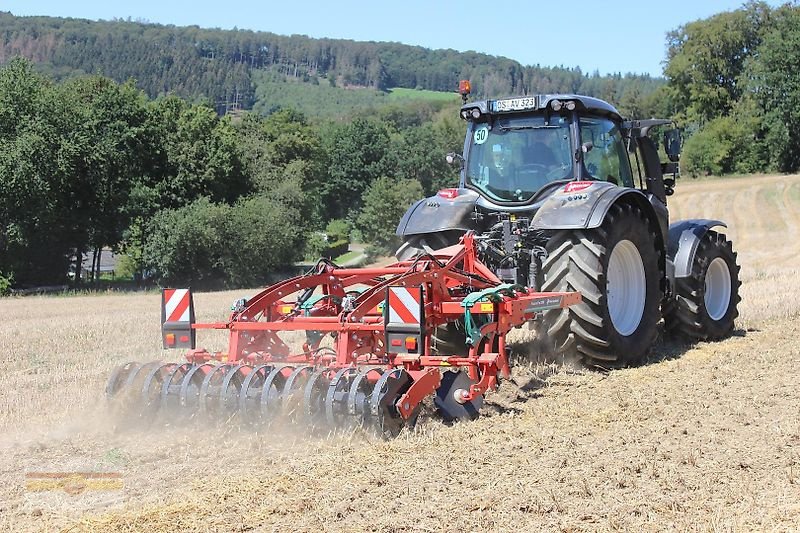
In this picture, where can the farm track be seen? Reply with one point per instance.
(704, 437)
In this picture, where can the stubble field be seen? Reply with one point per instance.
(704, 437)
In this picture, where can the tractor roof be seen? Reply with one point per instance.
(526, 104)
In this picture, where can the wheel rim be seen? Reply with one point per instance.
(626, 287)
(718, 289)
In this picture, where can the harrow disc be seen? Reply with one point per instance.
(189, 395)
(134, 388)
(271, 392)
(119, 377)
(231, 387)
(450, 408)
(314, 398)
(171, 385)
(292, 395)
(389, 388)
(360, 392)
(336, 398)
(250, 392)
(210, 389)
(150, 392)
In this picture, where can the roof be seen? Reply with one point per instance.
(108, 261)
(587, 103)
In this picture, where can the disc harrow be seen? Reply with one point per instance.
(366, 358)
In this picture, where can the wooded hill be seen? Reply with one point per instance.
(225, 67)
(192, 197)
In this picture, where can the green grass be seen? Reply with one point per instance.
(317, 98)
(346, 257)
(687, 178)
(400, 93)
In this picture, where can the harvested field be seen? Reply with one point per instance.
(704, 437)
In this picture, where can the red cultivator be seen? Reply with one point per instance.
(338, 347)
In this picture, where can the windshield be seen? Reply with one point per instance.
(514, 157)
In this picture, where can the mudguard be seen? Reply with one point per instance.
(684, 237)
(584, 204)
(438, 213)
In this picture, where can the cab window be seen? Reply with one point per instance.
(608, 159)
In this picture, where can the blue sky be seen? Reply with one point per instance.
(609, 36)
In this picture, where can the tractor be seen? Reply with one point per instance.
(563, 194)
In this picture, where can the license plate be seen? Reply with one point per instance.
(515, 104)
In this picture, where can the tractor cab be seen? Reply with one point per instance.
(515, 148)
(544, 162)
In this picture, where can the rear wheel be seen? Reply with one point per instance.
(706, 302)
(430, 241)
(449, 339)
(616, 269)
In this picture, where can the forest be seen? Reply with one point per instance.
(227, 68)
(181, 149)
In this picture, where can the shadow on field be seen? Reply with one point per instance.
(670, 347)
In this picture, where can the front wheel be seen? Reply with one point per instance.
(616, 269)
(706, 302)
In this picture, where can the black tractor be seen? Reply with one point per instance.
(563, 194)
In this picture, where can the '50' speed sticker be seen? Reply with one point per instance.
(481, 134)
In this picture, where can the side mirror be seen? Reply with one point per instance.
(584, 149)
(453, 157)
(672, 144)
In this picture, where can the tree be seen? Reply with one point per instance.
(107, 138)
(419, 154)
(385, 201)
(35, 205)
(774, 84)
(706, 58)
(193, 154)
(205, 244)
(283, 147)
(356, 153)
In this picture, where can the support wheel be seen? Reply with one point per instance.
(706, 302)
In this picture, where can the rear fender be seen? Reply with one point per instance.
(587, 208)
(684, 238)
(436, 214)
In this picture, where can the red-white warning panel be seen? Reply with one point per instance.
(176, 305)
(177, 317)
(405, 305)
